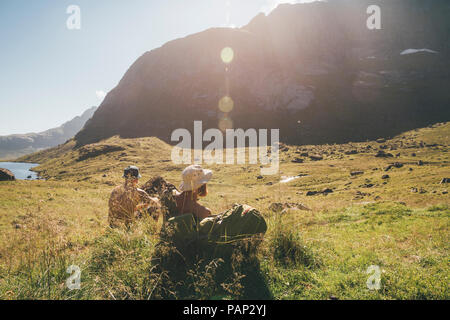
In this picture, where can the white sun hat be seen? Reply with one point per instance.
(194, 177)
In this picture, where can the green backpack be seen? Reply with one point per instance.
(237, 223)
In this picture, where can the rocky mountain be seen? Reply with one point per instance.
(315, 70)
(16, 145)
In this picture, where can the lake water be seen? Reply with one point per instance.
(20, 169)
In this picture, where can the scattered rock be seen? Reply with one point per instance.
(360, 195)
(259, 177)
(355, 173)
(367, 185)
(315, 157)
(397, 165)
(6, 175)
(414, 190)
(279, 207)
(420, 163)
(302, 175)
(304, 154)
(351, 152)
(382, 154)
(269, 183)
(297, 160)
(413, 154)
(445, 180)
(393, 165)
(324, 192)
(381, 140)
(386, 176)
(444, 192)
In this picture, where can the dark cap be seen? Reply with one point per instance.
(133, 171)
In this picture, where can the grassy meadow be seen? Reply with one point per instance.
(340, 215)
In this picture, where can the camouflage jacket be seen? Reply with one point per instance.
(126, 201)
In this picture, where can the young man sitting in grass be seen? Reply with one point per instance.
(127, 200)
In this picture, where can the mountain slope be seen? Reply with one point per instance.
(313, 70)
(21, 144)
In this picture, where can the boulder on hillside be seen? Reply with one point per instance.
(315, 157)
(304, 154)
(382, 154)
(6, 175)
(324, 192)
(393, 165)
(397, 165)
(297, 160)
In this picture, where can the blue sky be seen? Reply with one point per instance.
(50, 74)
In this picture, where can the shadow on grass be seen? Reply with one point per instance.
(202, 270)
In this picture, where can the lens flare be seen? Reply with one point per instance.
(226, 104)
(227, 55)
(225, 123)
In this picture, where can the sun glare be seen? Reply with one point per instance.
(226, 104)
(227, 55)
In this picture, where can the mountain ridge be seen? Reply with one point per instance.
(313, 70)
(15, 145)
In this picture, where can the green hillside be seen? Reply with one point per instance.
(400, 223)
